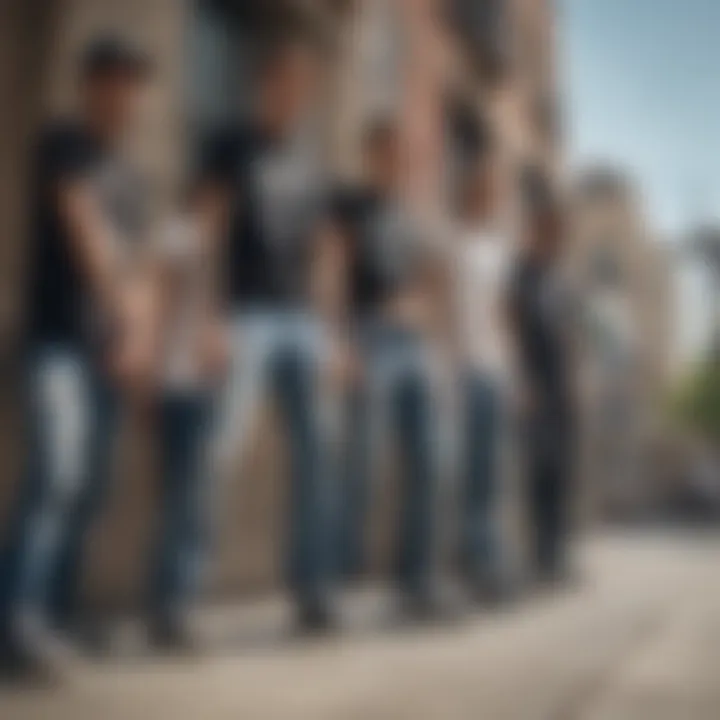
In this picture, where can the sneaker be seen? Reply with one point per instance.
(559, 576)
(317, 617)
(428, 606)
(491, 590)
(34, 654)
(168, 635)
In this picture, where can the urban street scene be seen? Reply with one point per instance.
(360, 359)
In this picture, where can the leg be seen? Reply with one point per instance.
(310, 527)
(252, 350)
(365, 436)
(412, 410)
(32, 486)
(253, 341)
(541, 490)
(558, 502)
(65, 584)
(479, 539)
(178, 547)
(60, 420)
(355, 500)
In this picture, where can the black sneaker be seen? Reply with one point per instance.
(166, 635)
(429, 605)
(490, 590)
(559, 576)
(317, 617)
(36, 657)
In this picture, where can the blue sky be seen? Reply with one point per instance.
(642, 86)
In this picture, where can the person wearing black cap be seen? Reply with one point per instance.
(86, 210)
(541, 314)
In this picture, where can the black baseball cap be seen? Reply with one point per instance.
(109, 55)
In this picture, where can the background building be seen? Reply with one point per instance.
(449, 70)
(624, 275)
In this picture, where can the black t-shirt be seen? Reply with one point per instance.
(277, 203)
(539, 302)
(384, 247)
(59, 309)
(64, 153)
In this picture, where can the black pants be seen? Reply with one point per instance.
(550, 445)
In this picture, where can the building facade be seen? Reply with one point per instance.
(625, 278)
(438, 66)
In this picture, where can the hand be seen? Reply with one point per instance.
(133, 357)
(345, 367)
(132, 365)
(215, 349)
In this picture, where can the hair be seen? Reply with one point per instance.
(110, 55)
(286, 36)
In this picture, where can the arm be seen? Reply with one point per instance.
(212, 212)
(65, 162)
(330, 295)
(93, 243)
(510, 310)
(329, 287)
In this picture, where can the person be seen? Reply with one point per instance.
(541, 312)
(392, 386)
(482, 260)
(87, 207)
(188, 366)
(265, 210)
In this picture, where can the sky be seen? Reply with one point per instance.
(641, 81)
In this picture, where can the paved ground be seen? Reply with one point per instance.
(640, 640)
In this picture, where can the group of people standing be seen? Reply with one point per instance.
(270, 280)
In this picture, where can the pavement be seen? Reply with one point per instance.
(638, 639)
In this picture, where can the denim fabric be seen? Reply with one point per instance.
(550, 444)
(480, 550)
(283, 352)
(71, 418)
(183, 423)
(395, 399)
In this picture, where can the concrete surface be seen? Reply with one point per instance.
(639, 640)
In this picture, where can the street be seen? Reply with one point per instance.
(639, 639)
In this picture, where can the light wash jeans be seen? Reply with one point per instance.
(394, 402)
(283, 351)
(71, 419)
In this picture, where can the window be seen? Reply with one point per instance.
(486, 27)
(220, 64)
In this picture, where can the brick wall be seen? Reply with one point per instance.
(252, 522)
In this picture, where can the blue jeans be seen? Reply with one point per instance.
(71, 419)
(283, 351)
(394, 398)
(183, 419)
(480, 550)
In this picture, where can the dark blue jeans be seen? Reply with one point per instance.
(183, 423)
(395, 398)
(71, 419)
(550, 444)
(480, 552)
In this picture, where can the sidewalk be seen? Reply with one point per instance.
(640, 639)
